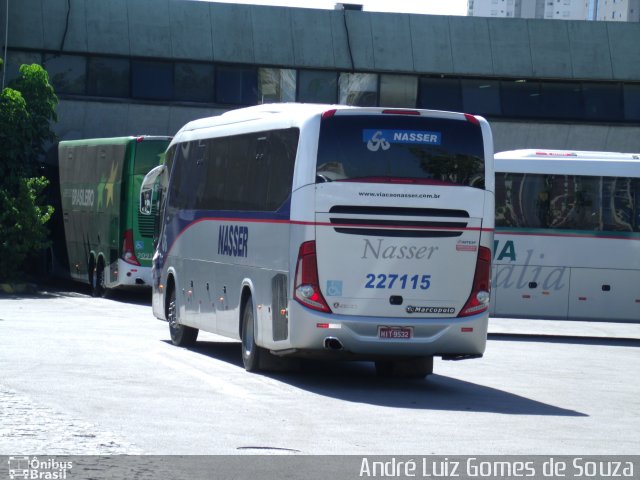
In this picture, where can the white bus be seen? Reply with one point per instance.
(567, 240)
(351, 233)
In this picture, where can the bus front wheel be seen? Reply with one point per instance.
(181, 335)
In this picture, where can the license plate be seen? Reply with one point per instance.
(395, 333)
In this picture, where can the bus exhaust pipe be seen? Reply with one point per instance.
(332, 343)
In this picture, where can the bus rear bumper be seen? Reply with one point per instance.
(133, 275)
(342, 335)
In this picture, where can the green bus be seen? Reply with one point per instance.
(109, 243)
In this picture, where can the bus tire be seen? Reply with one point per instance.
(98, 284)
(251, 353)
(181, 335)
(91, 272)
(413, 368)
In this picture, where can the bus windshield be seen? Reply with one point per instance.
(387, 148)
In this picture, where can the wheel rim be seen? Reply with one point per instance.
(247, 337)
(173, 318)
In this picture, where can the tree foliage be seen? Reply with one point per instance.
(27, 108)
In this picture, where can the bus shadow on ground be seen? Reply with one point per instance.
(357, 382)
(69, 289)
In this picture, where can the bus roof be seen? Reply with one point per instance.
(568, 162)
(257, 112)
(283, 115)
(113, 140)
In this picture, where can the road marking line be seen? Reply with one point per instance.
(221, 385)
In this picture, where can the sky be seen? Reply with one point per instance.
(433, 7)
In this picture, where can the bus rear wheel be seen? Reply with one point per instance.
(413, 368)
(251, 353)
(181, 335)
(98, 281)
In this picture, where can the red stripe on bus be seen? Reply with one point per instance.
(311, 224)
(567, 235)
(328, 224)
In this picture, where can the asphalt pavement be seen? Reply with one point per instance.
(98, 376)
(565, 328)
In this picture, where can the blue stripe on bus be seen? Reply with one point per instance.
(184, 219)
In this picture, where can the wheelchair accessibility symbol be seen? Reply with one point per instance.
(334, 288)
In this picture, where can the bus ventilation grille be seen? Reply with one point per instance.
(279, 307)
(425, 222)
(146, 224)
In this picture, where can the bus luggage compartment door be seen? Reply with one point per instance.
(530, 291)
(605, 294)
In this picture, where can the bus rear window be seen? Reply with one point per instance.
(387, 148)
(148, 155)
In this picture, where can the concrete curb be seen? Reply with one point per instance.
(565, 328)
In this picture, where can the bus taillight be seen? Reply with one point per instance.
(480, 293)
(392, 111)
(471, 118)
(128, 254)
(307, 285)
(329, 113)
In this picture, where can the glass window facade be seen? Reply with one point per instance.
(234, 85)
(237, 85)
(16, 58)
(481, 96)
(632, 102)
(561, 100)
(520, 98)
(602, 101)
(317, 86)
(67, 73)
(194, 82)
(440, 94)
(398, 90)
(277, 85)
(360, 89)
(152, 80)
(108, 77)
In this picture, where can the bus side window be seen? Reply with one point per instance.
(636, 204)
(199, 151)
(283, 147)
(259, 171)
(619, 207)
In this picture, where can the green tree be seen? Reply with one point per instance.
(27, 108)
